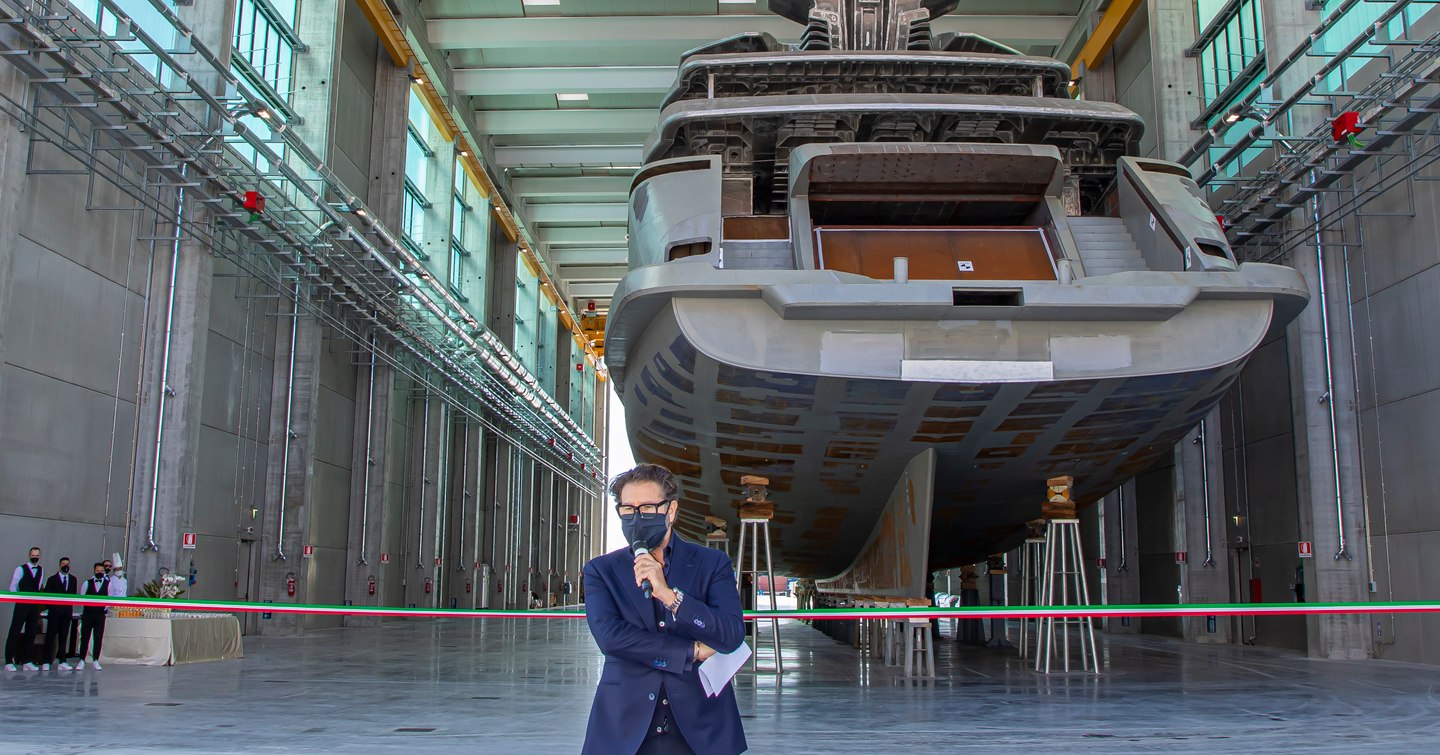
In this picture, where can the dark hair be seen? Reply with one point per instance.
(64, 558)
(33, 548)
(99, 564)
(647, 473)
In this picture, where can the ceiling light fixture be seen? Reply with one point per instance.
(540, 2)
(572, 97)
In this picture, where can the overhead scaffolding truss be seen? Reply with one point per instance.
(152, 136)
(1272, 173)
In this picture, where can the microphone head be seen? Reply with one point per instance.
(638, 548)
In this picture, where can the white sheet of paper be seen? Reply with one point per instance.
(717, 670)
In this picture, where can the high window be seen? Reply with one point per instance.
(418, 158)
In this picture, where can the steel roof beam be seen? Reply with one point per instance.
(595, 155)
(553, 80)
(596, 236)
(578, 212)
(586, 256)
(594, 273)
(601, 31)
(591, 290)
(638, 121)
(591, 188)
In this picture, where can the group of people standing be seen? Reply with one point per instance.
(60, 625)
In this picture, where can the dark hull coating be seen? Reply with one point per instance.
(834, 447)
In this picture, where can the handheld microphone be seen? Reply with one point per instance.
(639, 549)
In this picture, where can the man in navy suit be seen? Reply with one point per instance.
(650, 699)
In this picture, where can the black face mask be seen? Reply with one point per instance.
(647, 528)
(34, 559)
(65, 569)
(107, 571)
(99, 575)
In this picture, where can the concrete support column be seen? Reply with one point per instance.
(521, 528)
(1122, 555)
(294, 396)
(170, 396)
(544, 537)
(564, 364)
(176, 338)
(569, 556)
(368, 483)
(14, 148)
(503, 269)
(1327, 457)
(464, 529)
(427, 454)
(387, 143)
(319, 24)
(1205, 576)
(499, 472)
(1177, 78)
(1322, 378)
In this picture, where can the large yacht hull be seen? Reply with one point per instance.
(719, 384)
(908, 278)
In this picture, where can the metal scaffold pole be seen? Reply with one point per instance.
(755, 516)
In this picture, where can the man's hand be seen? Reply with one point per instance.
(703, 651)
(646, 567)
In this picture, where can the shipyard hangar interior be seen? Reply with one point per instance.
(305, 310)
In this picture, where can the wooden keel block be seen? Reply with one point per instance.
(1058, 503)
(756, 488)
(996, 564)
(757, 510)
(969, 579)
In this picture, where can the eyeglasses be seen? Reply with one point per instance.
(644, 509)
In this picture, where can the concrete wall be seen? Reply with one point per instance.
(1395, 272)
(72, 331)
(68, 407)
(354, 100)
(1134, 76)
(1263, 518)
(84, 278)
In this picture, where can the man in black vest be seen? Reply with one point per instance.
(26, 620)
(57, 617)
(92, 618)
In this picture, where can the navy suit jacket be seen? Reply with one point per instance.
(639, 654)
(52, 585)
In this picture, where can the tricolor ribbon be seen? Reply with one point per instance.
(843, 614)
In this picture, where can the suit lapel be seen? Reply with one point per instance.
(682, 568)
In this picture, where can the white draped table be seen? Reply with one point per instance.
(179, 638)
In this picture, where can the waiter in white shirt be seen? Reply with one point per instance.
(57, 617)
(92, 618)
(20, 641)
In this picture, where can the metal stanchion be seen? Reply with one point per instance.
(755, 517)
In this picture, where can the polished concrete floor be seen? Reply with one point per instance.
(496, 687)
